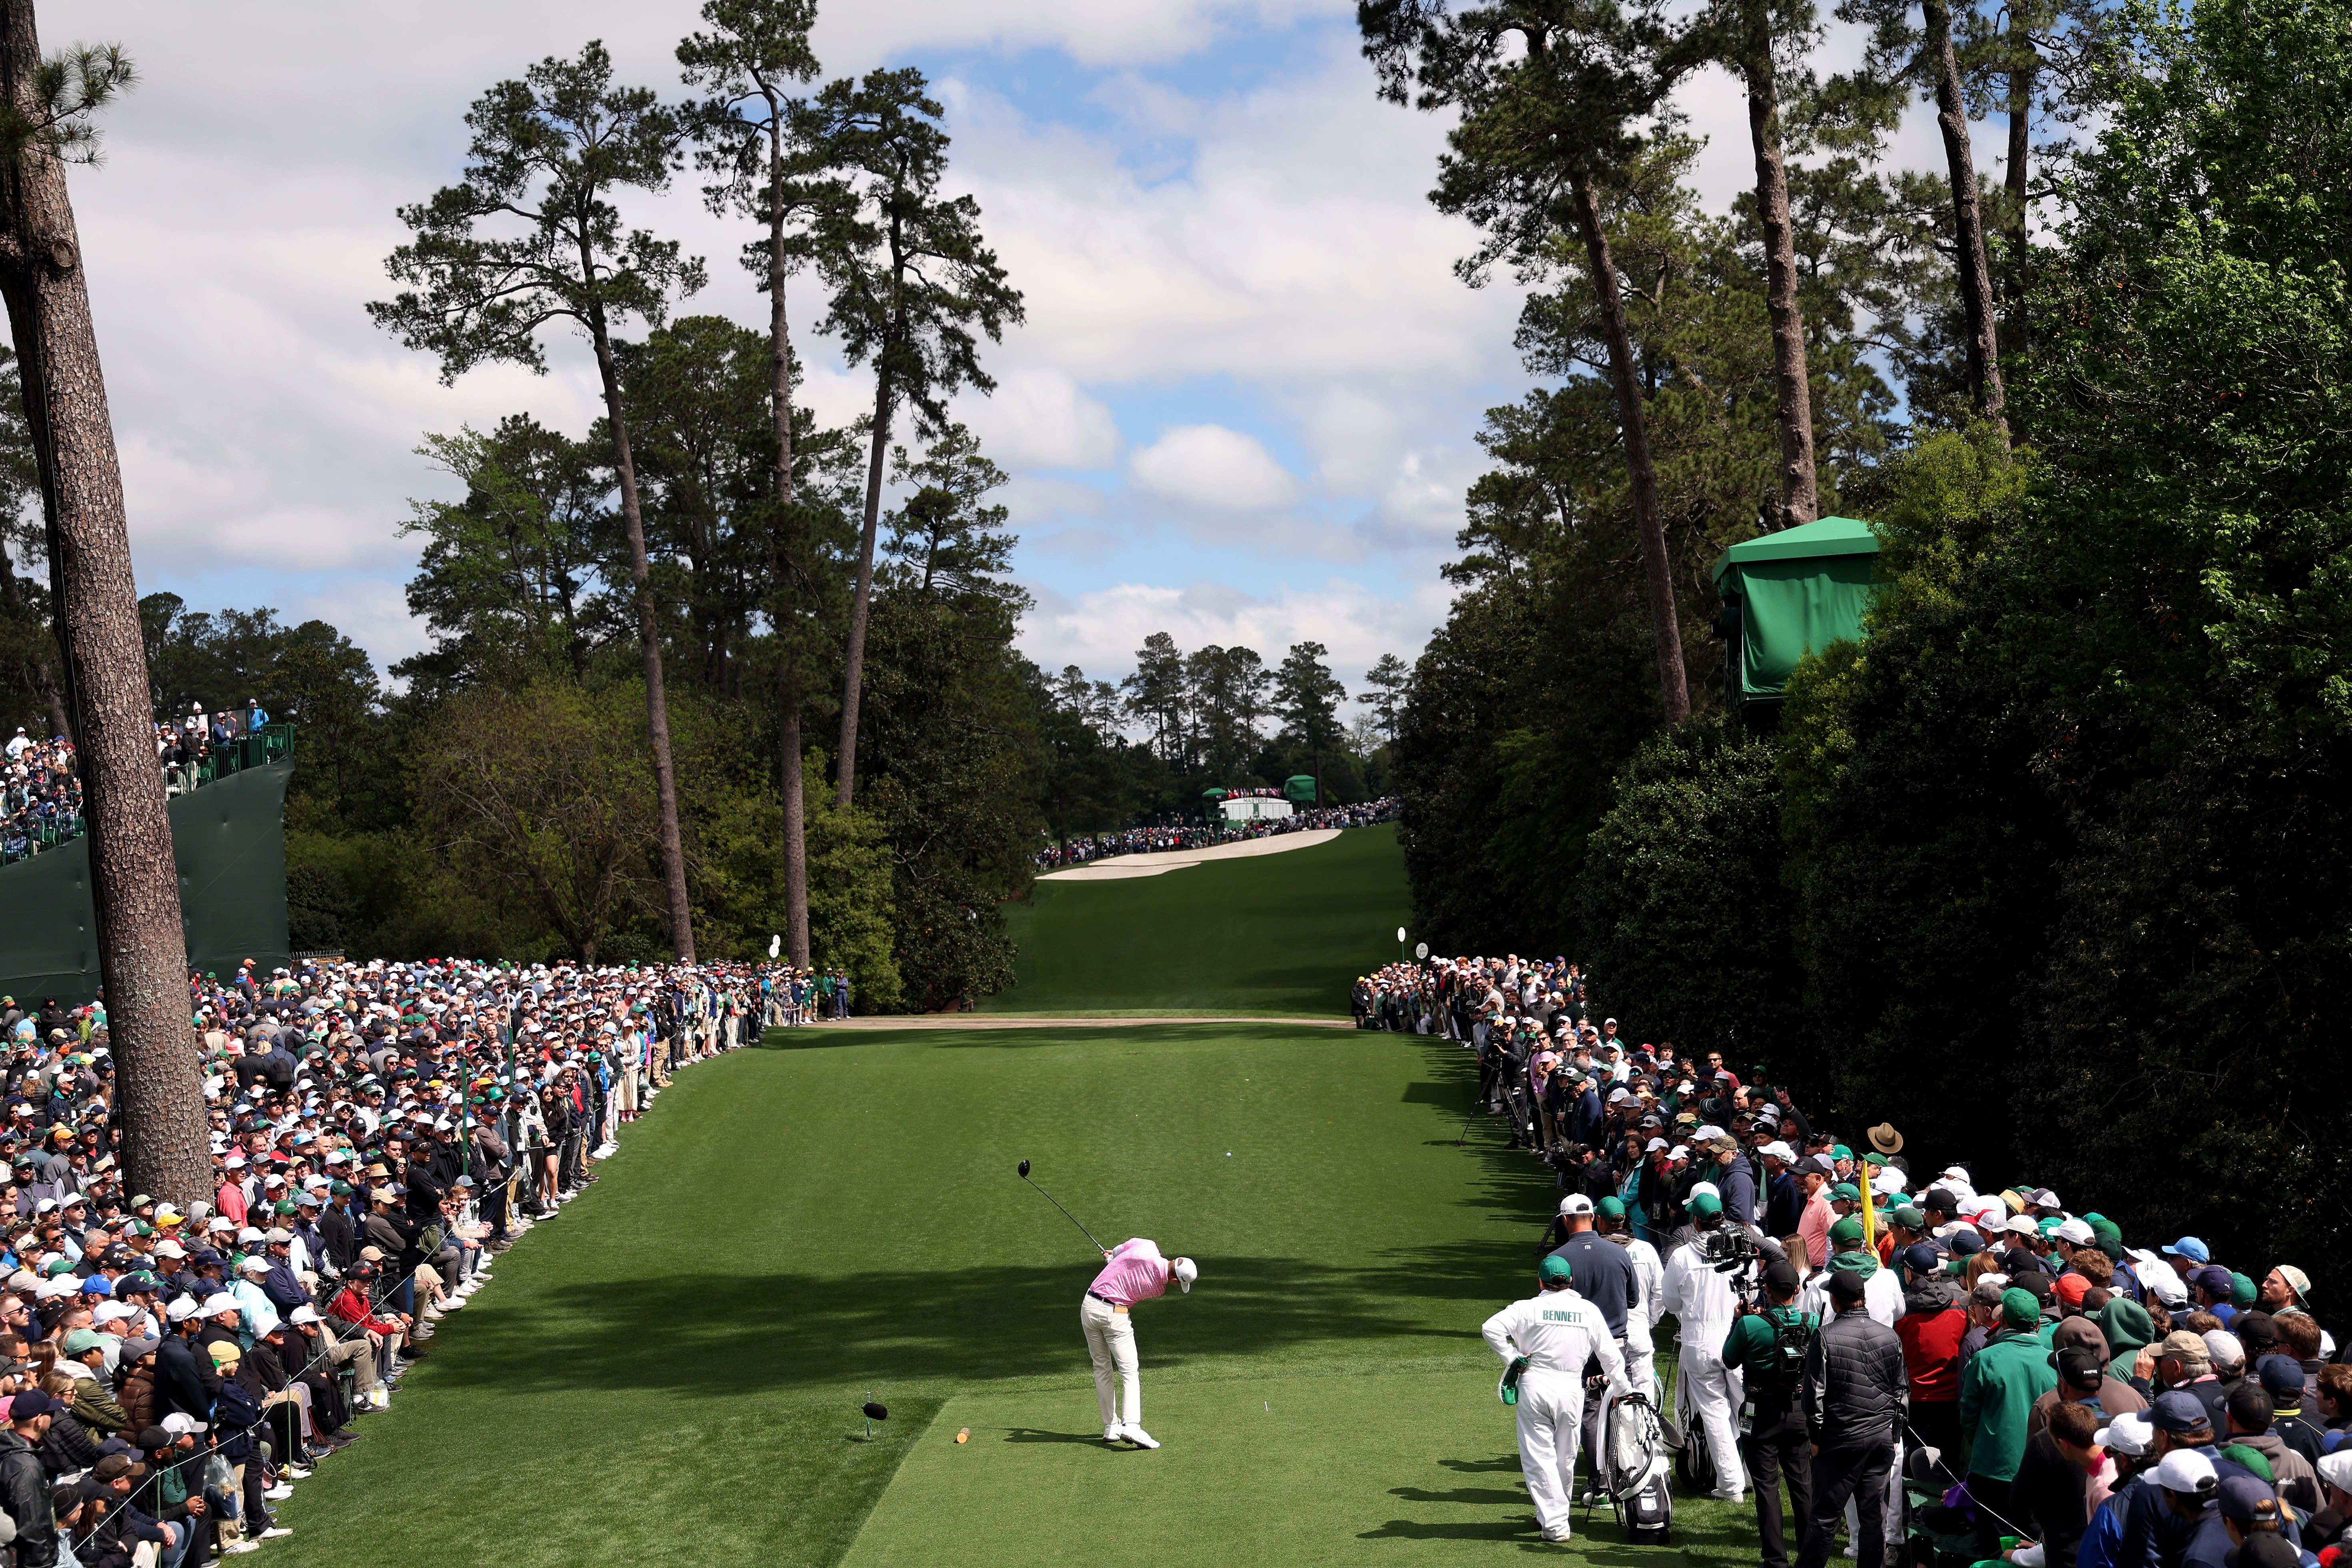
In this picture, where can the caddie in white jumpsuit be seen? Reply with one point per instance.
(1132, 1271)
(1702, 1302)
(1558, 1332)
(1642, 1312)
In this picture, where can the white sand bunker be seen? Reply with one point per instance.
(1120, 868)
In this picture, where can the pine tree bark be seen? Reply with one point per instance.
(1967, 217)
(134, 882)
(1665, 627)
(853, 673)
(2020, 149)
(788, 691)
(633, 523)
(1799, 483)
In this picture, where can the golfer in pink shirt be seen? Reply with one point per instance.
(1133, 1271)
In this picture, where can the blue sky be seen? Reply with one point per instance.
(1241, 409)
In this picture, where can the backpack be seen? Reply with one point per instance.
(1781, 1368)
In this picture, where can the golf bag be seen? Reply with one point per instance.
(1632, 1445)
(1634, 1470)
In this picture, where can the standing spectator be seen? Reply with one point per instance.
(1853, 1396)
(1930, 1328)
(1997, 1395)
(1769, 1348)
(24, 1484)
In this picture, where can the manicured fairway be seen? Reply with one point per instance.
(1270, 935)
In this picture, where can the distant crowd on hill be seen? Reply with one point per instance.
(1847, 1314)
(380, 1134)
(1201, 836)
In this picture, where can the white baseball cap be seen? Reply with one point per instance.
(2185, 1470)
(2130, 1433)
(1576, 1203)
(1186, 1271)
(1778, 1151)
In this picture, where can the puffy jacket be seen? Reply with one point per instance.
(1855, 1383)
(178, 1384)
(1930, 1328)
(1997, 1395)
(25, 1495)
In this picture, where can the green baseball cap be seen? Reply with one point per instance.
(1553, 1270)
(1847, 1191)
(83, 1341)
(1911, 1217)
(1614, 1207)
(2242, 1293)
(1847, 1232)
(1705, 1203)
(1840, 1152)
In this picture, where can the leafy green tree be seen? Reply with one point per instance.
(1548, 91)
(509, 580)
(698, 394)
(1388, 678)
(1684, 902)
(1226, 696)
(531, 238)
(1928, 56)
(1157, 696)
(755, 140)
(1306, 699)
(946, 536)
(914, 288)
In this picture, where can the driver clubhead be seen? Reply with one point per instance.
(876, 1412)
(1025, 1170)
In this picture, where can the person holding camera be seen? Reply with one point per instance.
(1701, 1297)
(1769, 1346)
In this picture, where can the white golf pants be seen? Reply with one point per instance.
(1551, 1412)
(1111, 1345)
(1713, 1391)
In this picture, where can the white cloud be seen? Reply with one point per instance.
(1211, 466)
(1040, 417)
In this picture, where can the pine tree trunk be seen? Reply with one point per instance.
(853, 673)
(2020, 150)
(134, 882)
(673, 847)
(1666, 626)
(1967, 217)
(788, 688)
(1800, 486)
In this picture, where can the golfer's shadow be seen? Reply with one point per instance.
(1039, 1434)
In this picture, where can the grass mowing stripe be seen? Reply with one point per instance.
(669, 1374)
(1270, 935)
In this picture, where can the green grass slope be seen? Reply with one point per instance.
(669, 1374)
(1270, 935)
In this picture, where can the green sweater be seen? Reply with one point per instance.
(1997, 1395)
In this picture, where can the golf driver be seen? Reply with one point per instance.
(1024, 1169)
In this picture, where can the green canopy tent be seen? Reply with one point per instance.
(1788, 594)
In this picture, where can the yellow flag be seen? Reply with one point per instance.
(1869, 1214)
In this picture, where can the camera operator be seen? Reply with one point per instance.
(1704, 1302)
(1769, 1346)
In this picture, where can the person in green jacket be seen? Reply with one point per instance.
(1769, 1346)
(1997, 1395)
(2128, 1328)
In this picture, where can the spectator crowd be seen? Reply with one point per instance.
(40, 801)
(1207, 836)
(1950, 1367)
(380, 1135)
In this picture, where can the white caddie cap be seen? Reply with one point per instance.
(1186, 1271)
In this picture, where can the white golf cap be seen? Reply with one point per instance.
(2130, 1433)
(1709, 1188)
(1576, 1203)
(2185, 1470)
(2075, 1231)
(1778, 1151)
(1186, 1271)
